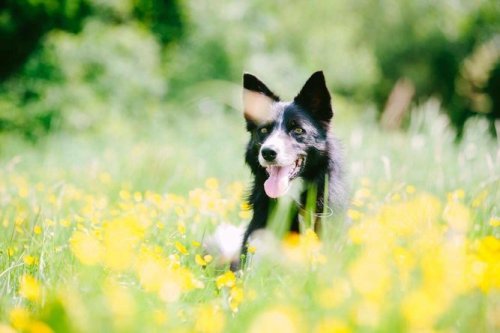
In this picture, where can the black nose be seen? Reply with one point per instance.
(268, 154)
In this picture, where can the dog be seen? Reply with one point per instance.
(291, 141)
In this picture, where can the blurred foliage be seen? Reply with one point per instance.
(23, 23)
(77, 80)
(449, 50)
(137, 57)
(435, 45)
(279, 41)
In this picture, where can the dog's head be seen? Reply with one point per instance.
(288, 139)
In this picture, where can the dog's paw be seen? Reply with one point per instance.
(225, 243)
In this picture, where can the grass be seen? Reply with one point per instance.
(102, 232)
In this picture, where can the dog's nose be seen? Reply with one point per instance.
(269, 154)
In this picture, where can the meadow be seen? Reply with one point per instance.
(103, 232)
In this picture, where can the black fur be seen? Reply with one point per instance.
(251, 82)
(311, 111)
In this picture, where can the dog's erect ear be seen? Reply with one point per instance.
(257, 100)
(315, 98)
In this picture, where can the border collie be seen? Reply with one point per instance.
(291, 141)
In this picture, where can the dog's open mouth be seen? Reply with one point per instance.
(280, 176)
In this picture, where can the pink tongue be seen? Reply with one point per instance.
(277, 183)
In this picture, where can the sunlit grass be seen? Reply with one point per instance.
(106, 235)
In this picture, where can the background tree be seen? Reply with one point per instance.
(431, 44)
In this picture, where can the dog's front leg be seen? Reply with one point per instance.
(259, 221)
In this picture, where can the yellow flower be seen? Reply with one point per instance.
(354, 215)
(227, 279)
(120, 238)
(332, 325)
(212, 184)
(48, 223)
(150, 270)
(277, 319)
(181, 227)
(29, 260)
(456, 195)
(421, 310)
(65, 223)
(236, 296)
(479, 199)
(23, 191)
(245, 211)
(39, 327)
(19, 318)
(363, 194)
(208, 258)
(29, 288)
(303, 248)
(245, 206)
(181, 212)
(488, 252)
(396, 197)
(245, 214)
(37, 230)
(494, 221)
(410, 189)
(200, 260)
(357, 234)
(137, 196)
(370, 276)
(181, 248)
(333, 296)
(125, 195)
(159, 317)
(209, 319)
(86, 248)
(457, 216)
(175, 282)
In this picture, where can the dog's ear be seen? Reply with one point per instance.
(257, 100)
(315, 98)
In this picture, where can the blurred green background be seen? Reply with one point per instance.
(106, 103)
(75, 64)
(81, 78)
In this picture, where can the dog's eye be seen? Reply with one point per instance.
(263, 130)
(298, 130)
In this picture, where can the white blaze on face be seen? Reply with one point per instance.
(277, 139)
(257, 107)
(260, 109)
(278, 182)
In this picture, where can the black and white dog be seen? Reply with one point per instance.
(290, 141)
